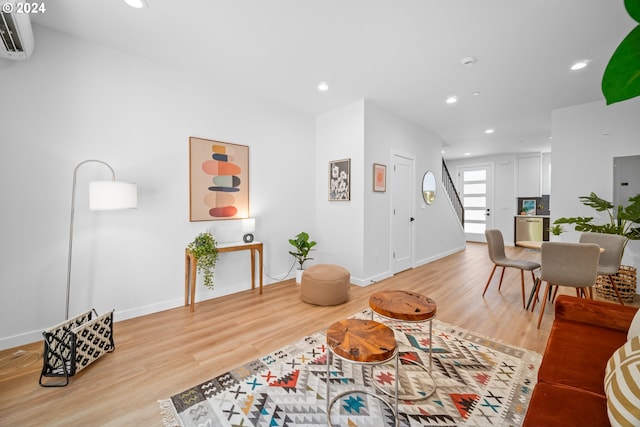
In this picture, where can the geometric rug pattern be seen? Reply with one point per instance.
(480, 382)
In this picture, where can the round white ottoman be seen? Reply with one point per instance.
(325, 284)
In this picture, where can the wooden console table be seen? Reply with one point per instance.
(190, 268)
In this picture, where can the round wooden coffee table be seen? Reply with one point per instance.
(410, 307)
(365, 342)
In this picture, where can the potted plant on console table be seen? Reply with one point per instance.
(205, 251)
(626, 223)
(301, 254)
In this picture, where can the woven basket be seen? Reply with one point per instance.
(74, 344)
(625, 281)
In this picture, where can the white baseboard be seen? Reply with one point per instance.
(35, 336)
(370, 280)
(439, 256)
(21, 339)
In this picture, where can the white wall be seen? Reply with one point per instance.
(339, 225)
(75, 100)
(356, 234)
(437, 230)
(586, 138)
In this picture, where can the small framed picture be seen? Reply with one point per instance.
(379, 177)
(529, 207)
(340, 180)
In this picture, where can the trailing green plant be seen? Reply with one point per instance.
(626, 222)
(621, 78)
(303, 247)
(205, 251)
(556, 230)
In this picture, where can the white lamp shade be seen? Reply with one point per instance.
(248, 225)
(112, 195)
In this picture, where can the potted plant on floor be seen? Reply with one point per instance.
(555, 231)
(205, 251)
(621, 223)
(302, 246)
(625, 222)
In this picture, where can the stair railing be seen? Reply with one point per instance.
(451, 191)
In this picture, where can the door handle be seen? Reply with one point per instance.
(412, 219)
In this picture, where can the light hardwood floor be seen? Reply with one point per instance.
(162, 354)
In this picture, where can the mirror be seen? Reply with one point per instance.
(429, 187)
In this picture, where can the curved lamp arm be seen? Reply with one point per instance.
(122, 196)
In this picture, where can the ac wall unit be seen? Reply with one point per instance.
(15, 31)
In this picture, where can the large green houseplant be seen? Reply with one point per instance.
(205, 251)
(302, 246)
(621, 78)
(625, 221)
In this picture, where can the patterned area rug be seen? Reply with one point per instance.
(479, 382)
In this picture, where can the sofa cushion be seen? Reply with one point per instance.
(577, 353)
(559, 406)
(622, 384)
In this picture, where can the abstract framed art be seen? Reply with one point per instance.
(379, 177)
(340, 180)
(529, 206)
(218, 180)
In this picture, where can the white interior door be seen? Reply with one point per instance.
(402, 195)
(475, 184)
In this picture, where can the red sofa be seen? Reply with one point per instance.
(570, 388)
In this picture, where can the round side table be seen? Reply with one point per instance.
(365, 342)
(409, 307)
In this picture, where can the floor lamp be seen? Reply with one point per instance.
(103, 195)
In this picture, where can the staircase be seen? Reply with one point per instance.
(451, 191)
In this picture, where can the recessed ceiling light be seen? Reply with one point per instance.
(138, 4)
(476, 93)
(452, 99)
(323, 87)
(489, 131)
(467, 154)
(579, 65)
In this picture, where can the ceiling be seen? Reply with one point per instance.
(402, 55)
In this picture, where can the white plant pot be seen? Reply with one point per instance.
(299, 276)
(554, 238)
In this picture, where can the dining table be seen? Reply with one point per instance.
(530, 244)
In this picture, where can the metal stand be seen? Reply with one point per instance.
(393, 406)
